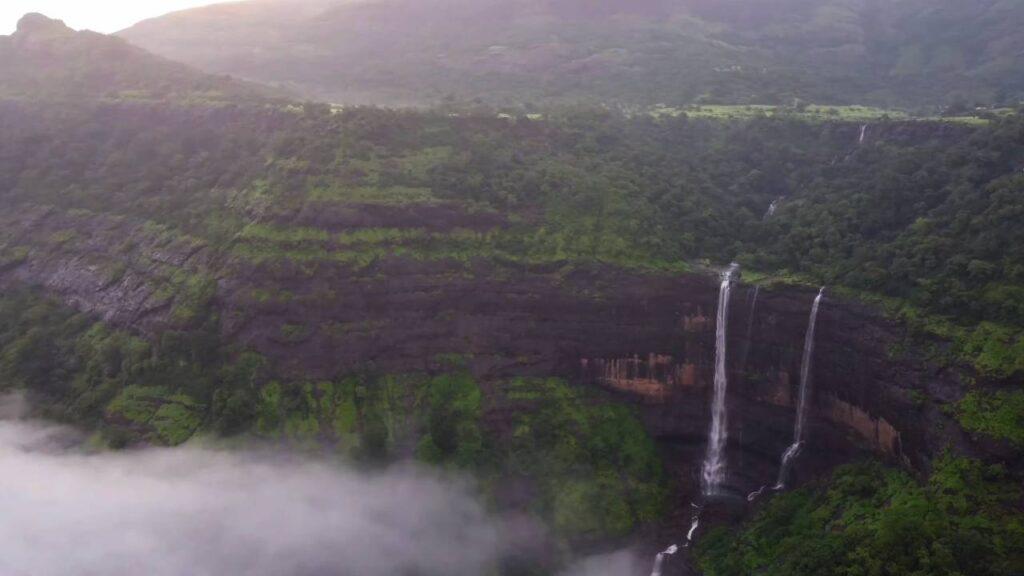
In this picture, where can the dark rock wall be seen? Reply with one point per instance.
(647, 338)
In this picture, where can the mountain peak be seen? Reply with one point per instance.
(46, 59)
(35, 23)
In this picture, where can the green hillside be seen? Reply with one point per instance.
(906, 54)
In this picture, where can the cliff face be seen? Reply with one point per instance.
(647, 338)
(862, 398)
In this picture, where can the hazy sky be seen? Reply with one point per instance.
(99, 15)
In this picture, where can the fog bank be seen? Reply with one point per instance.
(189, 511)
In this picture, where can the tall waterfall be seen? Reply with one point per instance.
(863, 132)
(771, 209)
(713, 469)
(801, 407)
(660, 559)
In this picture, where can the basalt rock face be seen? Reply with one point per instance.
(647, 338)
(116, 268)
(862, 399)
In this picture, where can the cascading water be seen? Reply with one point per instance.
(771, 209)
(801, 407)
(660, 559)
(863, 132)
(755, 494)
(693, 527)
(713, 469)
(694, 524)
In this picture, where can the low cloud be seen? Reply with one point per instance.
(622, 563)
(196, 512)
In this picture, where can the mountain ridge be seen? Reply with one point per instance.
(913, 53)
(45, 59)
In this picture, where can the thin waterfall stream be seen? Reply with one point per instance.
(801, 408)
(713, 468)
(659, 560)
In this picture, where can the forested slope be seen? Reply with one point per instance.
(905, 54)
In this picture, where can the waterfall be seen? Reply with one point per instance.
(660, 559)
(713, 469)
(693, 527)
(863, 132)
(755, 494)
(801, 407)
(694, 524)
(771, 209)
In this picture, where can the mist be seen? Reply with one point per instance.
(192, 511)
(201, 512)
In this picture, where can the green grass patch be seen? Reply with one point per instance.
(361, 248)
(396, 195)
(809, 113)
(813, 113)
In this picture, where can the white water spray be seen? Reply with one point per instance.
(863, 132)
(755, 494)
(713, 469)
(693, 527)
(801, 408)
(694, 524)
(771, 209)
(660, 559)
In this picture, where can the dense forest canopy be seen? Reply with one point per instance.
(907, 53)
(921, 212)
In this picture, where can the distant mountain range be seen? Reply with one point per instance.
(46, 60)
(907, 53)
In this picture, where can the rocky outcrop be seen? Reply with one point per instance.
(126, 272)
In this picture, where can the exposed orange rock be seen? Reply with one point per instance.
(695, 323)
(882, 435)
(653, 377)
